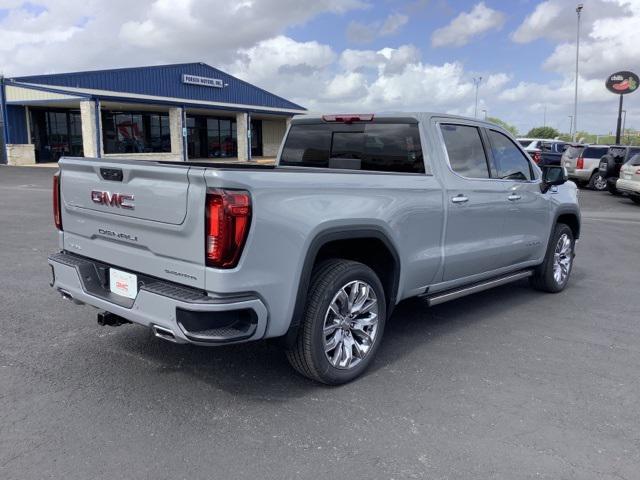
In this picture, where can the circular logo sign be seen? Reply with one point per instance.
(622, 82)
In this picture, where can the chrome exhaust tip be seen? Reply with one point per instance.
(163, 333)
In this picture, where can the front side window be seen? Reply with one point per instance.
(511, 164)
(465, 150)
(377, 147)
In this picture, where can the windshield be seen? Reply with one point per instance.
(524, 143)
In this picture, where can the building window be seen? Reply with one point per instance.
(55, 133)
(135, 132)
(211, 137)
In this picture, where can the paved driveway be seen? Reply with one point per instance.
(506, 384)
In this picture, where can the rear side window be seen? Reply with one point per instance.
(594, 152)
(634, 161)
(465, 150)
(381, 147)
(510, 161)
(574, 152)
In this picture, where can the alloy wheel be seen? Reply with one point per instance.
(562, 258)
(350, 325)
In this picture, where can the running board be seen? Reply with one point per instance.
(441, 297)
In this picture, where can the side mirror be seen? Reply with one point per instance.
(552, 175)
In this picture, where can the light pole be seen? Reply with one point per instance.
(575, 95)
(624, 121)
(476, 82)
(570, 125)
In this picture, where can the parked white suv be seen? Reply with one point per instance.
(629, 181)
(582, 163)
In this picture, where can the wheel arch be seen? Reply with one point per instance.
(571, 219)
(327, 243)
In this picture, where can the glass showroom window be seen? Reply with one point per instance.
(135, 132)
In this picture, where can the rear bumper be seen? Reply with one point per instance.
(628, 186)
(191, 315)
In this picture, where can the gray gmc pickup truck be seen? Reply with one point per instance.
(359, 213)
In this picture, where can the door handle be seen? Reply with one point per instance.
(460, 199)
(513, 197)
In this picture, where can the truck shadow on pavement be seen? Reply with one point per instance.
(259, 370)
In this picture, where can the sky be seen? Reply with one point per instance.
(355, 55)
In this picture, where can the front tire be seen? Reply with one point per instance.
(635, 199)
(342, 325)
(553, 274)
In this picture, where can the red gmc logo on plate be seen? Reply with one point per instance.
(122, 200)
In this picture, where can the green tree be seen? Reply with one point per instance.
(501, 123)
(543, 132)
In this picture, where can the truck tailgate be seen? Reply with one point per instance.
(140, 216)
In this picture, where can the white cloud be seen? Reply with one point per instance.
(465, 26)
(556, 19)
(64, 35)
(358, 32)
(393, 23)
(609, 47)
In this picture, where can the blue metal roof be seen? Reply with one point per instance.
(166, 81)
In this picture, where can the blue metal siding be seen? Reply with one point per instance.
(17, 122)
(166, 81)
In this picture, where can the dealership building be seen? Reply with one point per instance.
(170, 112)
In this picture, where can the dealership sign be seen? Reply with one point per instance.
(203, 81)
(622, 82)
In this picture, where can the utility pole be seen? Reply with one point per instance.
(570, 125)
(476, 82)
(544, 116)
(485, 114)
(575, 95)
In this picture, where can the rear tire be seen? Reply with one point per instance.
(597, 182)
(635, 199)
(342, 325)
(553, 274)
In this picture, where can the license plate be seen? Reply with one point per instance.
(627, 176)
(567, 164)
(123, 283)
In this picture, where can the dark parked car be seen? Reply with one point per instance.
(611, 163)
(545, 152)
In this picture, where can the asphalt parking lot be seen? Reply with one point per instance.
(505, 384)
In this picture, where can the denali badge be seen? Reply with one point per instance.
(122, 200)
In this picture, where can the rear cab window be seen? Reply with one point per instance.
(388, 145)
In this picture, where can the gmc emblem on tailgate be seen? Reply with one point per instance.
(122, 200)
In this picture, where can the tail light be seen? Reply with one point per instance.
(57, 211)
(580, 163)
(537, 157)
(228, 217)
